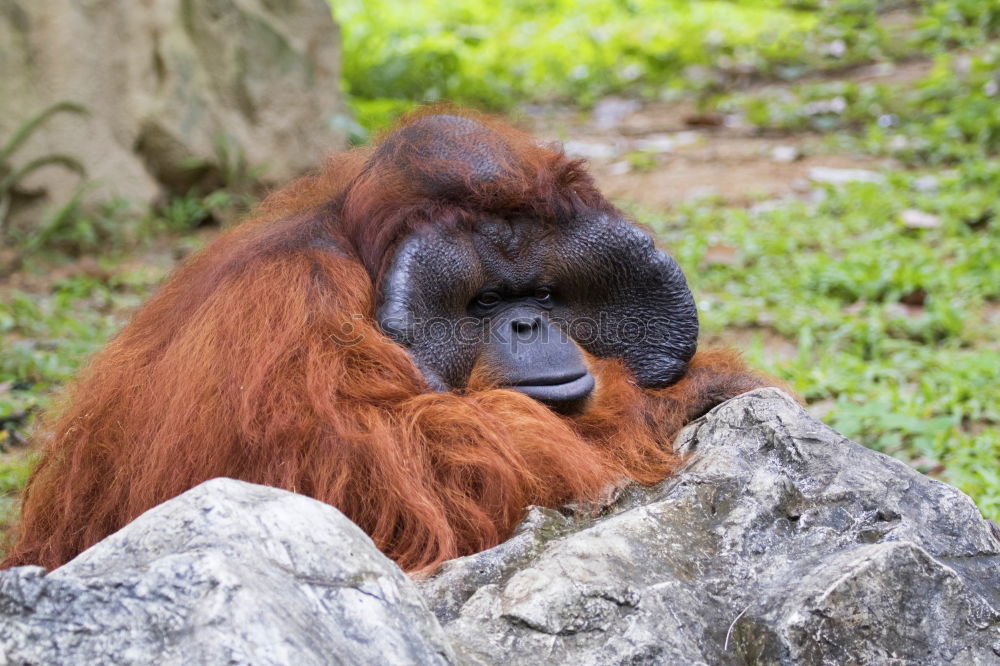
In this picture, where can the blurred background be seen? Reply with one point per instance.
(825, 171)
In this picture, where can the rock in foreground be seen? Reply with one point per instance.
(227, 573)
(780, 542)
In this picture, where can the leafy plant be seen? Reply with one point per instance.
(496, 55)
(11, 176)
(493, 55)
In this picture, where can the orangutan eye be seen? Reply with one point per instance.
(488, 299)
(543, 294)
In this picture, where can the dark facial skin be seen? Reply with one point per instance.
(526, 297)
(517, 312)
(530, 354)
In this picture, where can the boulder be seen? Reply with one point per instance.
(178, 93)
(779, 542)
(227, 573)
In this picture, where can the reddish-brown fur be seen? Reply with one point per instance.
(234, 369)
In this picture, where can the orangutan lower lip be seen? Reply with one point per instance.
(559, 395)
(556, 380)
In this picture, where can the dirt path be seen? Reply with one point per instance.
(660, 154)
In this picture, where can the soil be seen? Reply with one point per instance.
(660, 154)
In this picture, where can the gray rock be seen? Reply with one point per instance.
(177, 91)
(780, 542)
(836, 176)
(228, 572)
(912, 218)
(786, 153)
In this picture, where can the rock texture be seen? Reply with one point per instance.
(227, 573)
(780, 542)
(177, 91)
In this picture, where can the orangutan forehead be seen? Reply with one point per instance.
(516, 252)
(502, 253)
(512, 253)
(515, 239)
(448, 155)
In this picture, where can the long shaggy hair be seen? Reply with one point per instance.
(260, 360)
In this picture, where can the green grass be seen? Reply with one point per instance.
(895, 329)
(950, 116)
(46, 337)
(14, 471)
